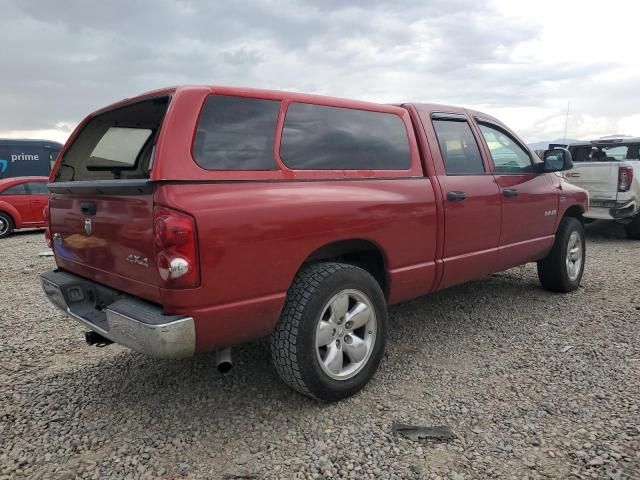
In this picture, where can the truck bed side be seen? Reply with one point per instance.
(248, 263)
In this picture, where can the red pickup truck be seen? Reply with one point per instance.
(197, 218)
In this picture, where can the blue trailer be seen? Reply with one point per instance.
(27, 158)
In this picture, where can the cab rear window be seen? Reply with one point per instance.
(606, 153)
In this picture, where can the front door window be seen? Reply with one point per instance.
(507, 155)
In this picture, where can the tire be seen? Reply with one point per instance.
(317, 313)
(632, 229)
(559, 272)
(6, 225)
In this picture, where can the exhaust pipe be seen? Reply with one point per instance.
(96, 339)
(223, 360)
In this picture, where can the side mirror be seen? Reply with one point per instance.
(556, 160)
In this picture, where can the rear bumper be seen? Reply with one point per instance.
(129, 321)
(611, 210)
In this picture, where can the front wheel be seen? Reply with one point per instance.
(331, 335)
(561, 270)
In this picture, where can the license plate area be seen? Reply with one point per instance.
(80, 297)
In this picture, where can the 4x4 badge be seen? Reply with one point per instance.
(88, 228)
(136, 260)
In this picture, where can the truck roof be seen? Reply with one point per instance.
(231, 90)
(443, 108)
(296, 97)
(606, 141)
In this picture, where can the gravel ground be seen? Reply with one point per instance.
(534, 385)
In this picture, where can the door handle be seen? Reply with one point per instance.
(88, 208)
(456, 196)
(510, 192)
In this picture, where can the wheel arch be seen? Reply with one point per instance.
(574, 211)
(360, 252)
(12, 214)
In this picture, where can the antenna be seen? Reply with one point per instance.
(566, 122)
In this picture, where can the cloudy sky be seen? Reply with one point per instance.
(520, 61)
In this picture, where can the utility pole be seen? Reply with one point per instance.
(566, 122)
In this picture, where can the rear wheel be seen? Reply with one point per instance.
(331, 335)
(6, 225)
(561, 270)
(632, 229)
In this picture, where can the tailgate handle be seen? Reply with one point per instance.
(88, 208)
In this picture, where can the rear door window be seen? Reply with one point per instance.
(317, 137)
(236, 133)
(38, 188)
(458, 147)
(18, 189)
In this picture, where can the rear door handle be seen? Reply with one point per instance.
(510, 192)
(88, 208)
(456, 196)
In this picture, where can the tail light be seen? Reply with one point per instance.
(625, 178)
(47, 228)
(176, 248)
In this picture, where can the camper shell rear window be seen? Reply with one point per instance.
(117, 144)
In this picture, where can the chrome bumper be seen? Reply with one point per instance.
(134, 323)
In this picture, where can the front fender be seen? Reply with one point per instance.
(572, 197)
(11, 210)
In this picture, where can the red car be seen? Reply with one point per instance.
(197, 218)
(22, 202)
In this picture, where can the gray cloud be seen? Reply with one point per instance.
(62, 61)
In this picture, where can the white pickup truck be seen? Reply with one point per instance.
(610, 171)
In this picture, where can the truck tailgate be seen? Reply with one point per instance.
(600, 179)
(108, 239)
